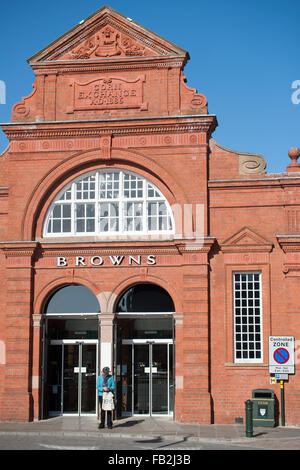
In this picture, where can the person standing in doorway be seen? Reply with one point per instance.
(105, 383)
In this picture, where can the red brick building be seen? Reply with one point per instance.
(130, 238)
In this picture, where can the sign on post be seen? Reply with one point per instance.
(281, 354)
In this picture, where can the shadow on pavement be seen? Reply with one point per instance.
(129, 424)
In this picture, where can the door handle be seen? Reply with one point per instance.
(82, 370)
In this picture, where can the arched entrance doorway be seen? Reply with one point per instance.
(70, 356)
(145, 351)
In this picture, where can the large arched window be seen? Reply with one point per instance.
(145, 298)
(107, 202)
(73, 298)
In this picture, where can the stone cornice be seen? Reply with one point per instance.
(90, 248)
(203, 245)
(289, 243)
(265, 182)
(67, 129)
(22, 248)
(172, 247)
(246, 249)
(57, 67)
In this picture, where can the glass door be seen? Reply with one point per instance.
(148, 374)
(141, 384)
(72, 374)
(70, 378)
(53, 385)
(160, 379)
(88, 379)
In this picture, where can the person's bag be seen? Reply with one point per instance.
(108, 401)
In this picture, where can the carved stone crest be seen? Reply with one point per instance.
(108, 42)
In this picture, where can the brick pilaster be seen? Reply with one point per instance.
(18, 402)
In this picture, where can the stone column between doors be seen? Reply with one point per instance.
(106, 323)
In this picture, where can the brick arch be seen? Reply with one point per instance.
(114, 296)
(153, 171)
(50, 288)
(80, 163)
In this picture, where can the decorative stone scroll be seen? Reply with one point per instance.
(251, 164)
(192, 102)
(22, 109)
(248, 163)
(108, 93)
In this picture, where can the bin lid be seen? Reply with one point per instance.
(262, 393)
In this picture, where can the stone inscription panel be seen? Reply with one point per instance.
(109, 93)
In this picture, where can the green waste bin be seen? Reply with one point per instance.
(263, 407)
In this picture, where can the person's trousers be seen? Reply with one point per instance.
(109, 414)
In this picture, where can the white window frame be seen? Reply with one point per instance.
(120, 201)
(247, 315)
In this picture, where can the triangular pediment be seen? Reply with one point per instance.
(107, 35)
(245, 238)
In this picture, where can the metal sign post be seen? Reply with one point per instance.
(282, 403)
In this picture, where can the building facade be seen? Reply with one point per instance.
(131, 239)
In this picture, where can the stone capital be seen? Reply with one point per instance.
(178, 317)
(37, 320)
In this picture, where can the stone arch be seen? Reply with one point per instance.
(72, 298)
(49, 290)
(145, 297)
(112, 297)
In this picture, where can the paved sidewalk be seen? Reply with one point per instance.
(281, 438)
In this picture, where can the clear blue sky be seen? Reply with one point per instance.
(244, 58)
